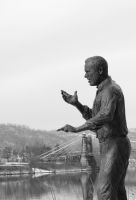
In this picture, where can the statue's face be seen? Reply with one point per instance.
(92, 74)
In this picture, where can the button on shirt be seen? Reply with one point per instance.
(107, 117)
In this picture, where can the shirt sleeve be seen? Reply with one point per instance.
(107, 110)
(87, 112)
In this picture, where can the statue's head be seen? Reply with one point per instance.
(96, 70)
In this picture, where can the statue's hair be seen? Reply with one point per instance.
(98, 62)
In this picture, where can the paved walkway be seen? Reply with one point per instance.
(131, 192)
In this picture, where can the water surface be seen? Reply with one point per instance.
(67, 186)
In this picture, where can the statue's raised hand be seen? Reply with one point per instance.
(71, 99)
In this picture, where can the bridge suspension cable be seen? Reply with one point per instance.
(52, 150)
(63, 146)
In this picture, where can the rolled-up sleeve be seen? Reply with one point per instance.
(108, 106)
(86, 112)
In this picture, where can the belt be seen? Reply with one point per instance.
(103, 139)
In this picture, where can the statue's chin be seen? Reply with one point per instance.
(92, 84)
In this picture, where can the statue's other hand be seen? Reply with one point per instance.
(71, 99)
(67, 128)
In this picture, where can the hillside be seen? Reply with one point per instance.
(18, 137)
(15, 135)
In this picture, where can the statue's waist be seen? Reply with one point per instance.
(110, 132)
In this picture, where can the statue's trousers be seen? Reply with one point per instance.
(115, 154)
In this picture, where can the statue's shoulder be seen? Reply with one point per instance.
(115, 88)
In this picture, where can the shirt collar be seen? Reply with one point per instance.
(104, 83)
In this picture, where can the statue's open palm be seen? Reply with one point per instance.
(71, 99)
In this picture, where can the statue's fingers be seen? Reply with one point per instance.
(64, 97)
(66, 129)
(65, 93)
(60, 129)
(75, 93)
(62, 91)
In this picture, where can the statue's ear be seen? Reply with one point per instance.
(100, 70)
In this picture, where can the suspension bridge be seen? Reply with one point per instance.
(65, 148)
(65, 154)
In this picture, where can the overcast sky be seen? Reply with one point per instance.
(43, 45)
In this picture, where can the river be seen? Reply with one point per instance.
(67, 186)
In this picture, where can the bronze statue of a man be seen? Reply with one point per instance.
(106, 118)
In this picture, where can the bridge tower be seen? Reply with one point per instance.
(84, 152)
